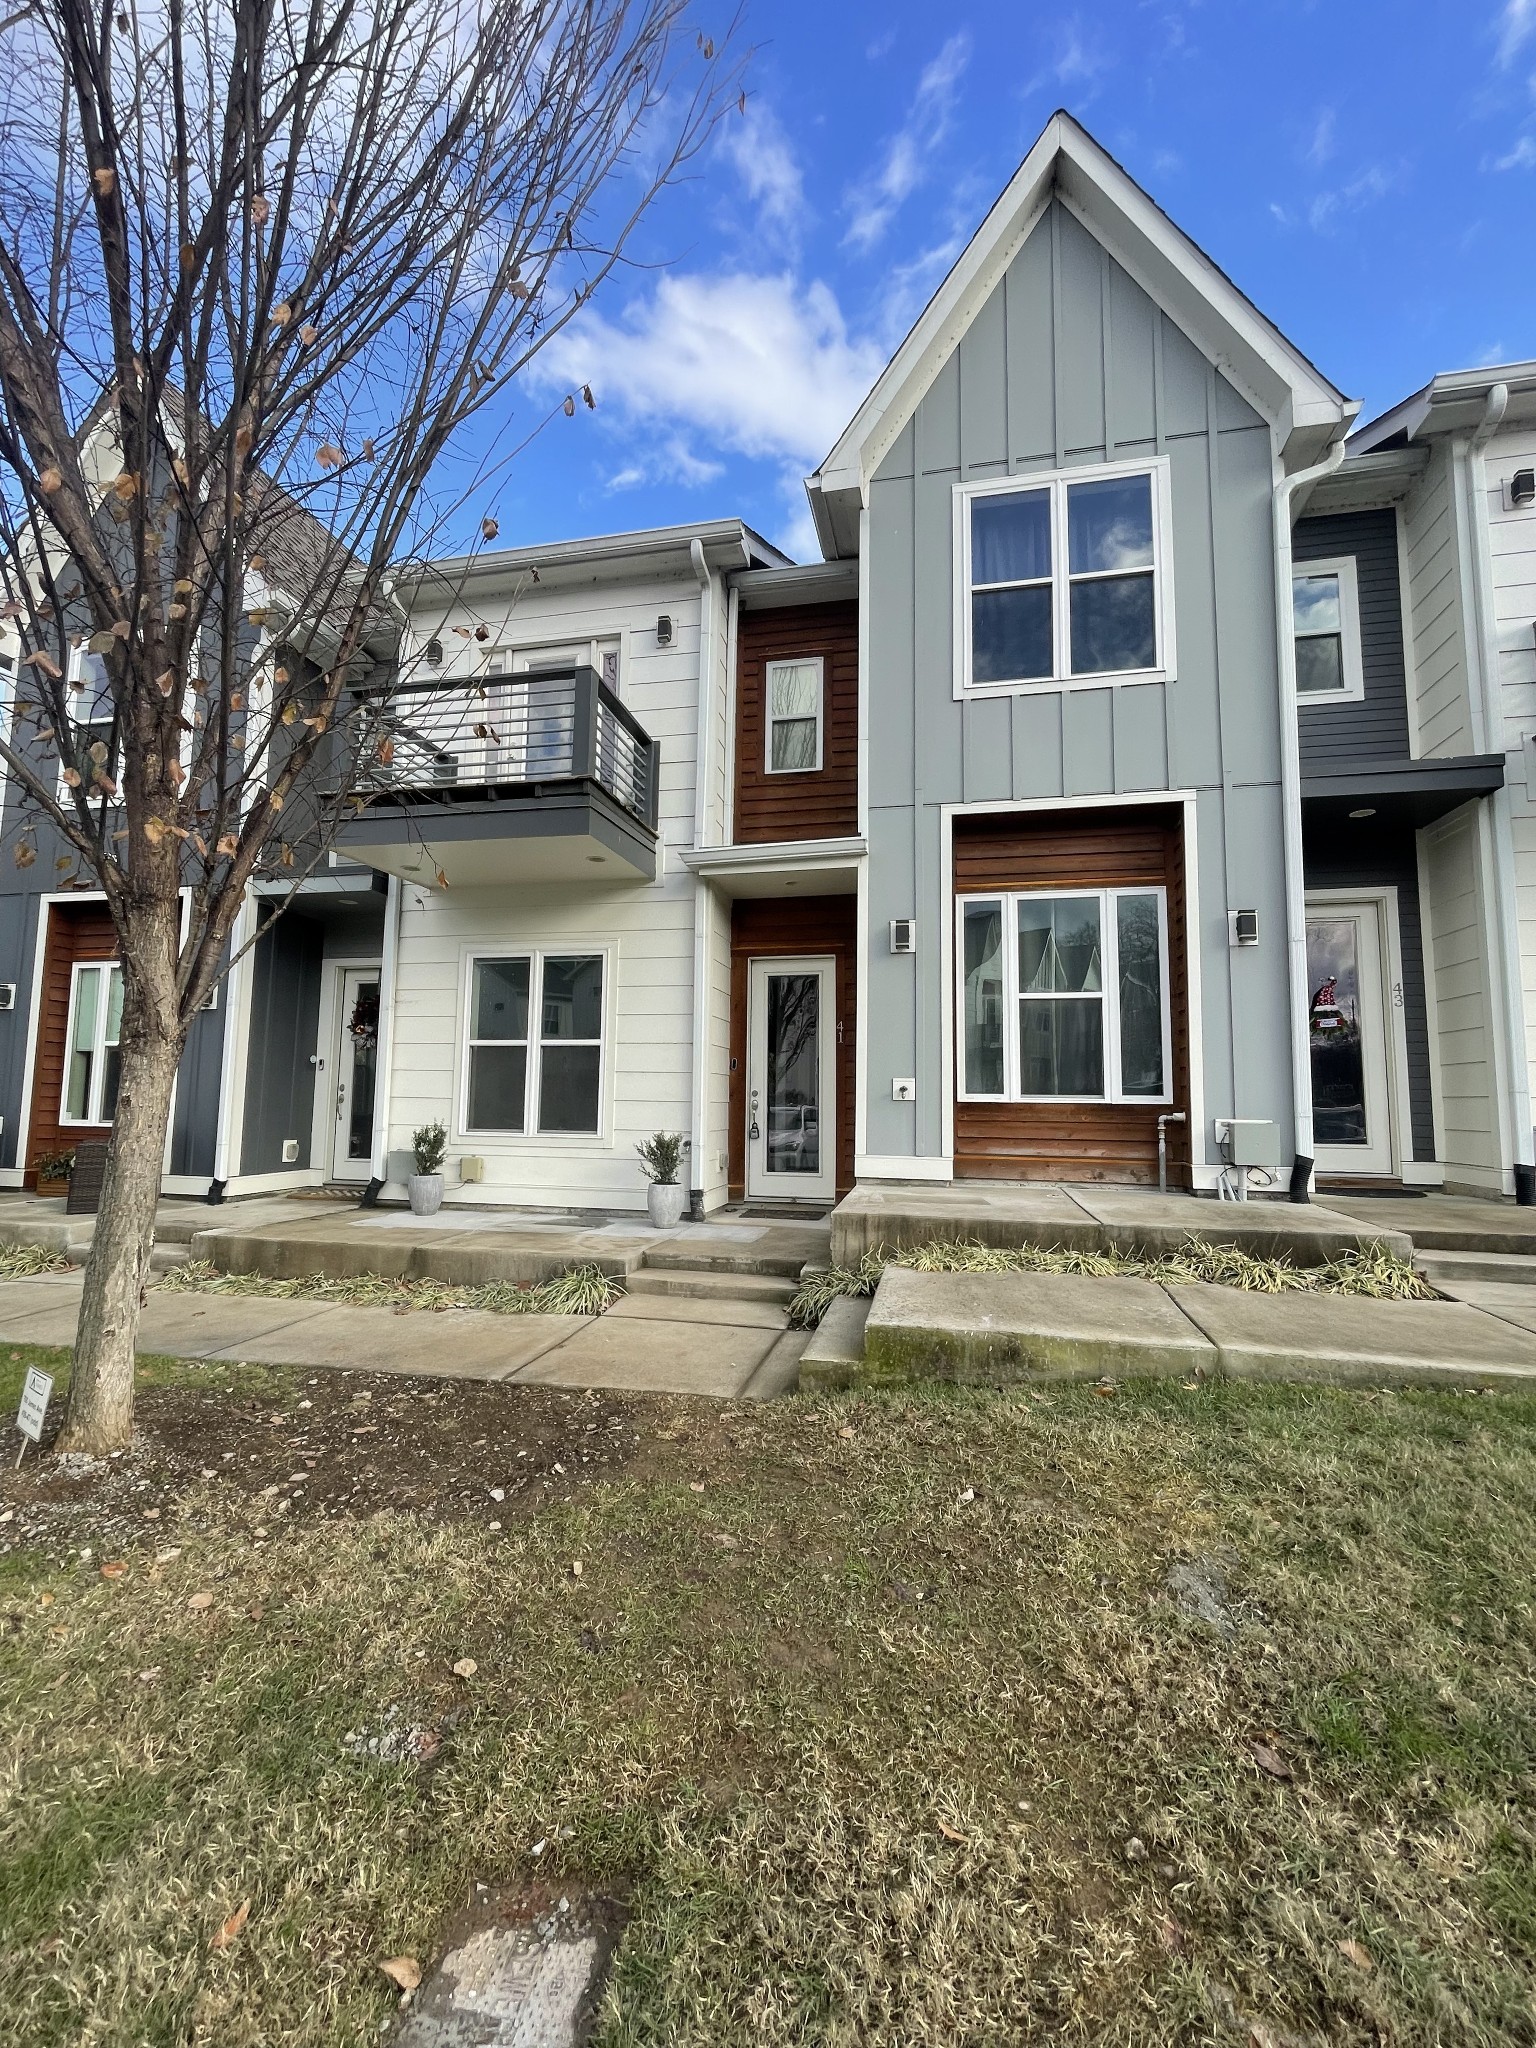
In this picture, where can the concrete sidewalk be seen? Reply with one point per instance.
(649, 1344)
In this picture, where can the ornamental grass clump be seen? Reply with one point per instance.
(581, 1291)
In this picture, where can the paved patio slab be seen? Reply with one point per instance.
(460, 1344)
(1446, 1223)
(1512, 1302)
(998, 1328)
(913, 1213)
(1346, 1337)
(654, 1357)
(1140, 1221)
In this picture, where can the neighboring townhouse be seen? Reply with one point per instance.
(1453, 469)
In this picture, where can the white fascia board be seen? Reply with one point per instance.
(772, 856)
(1276, 378)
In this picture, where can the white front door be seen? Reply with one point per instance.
(792, 1080)
(356, 1071)
(1348, 1033)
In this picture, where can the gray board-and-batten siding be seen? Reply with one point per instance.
(1068, 362)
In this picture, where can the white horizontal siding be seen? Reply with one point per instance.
(1512, 558)
(1455, 927)
(1436, 612)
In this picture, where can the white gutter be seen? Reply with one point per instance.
(1506, 917)
(1285, 490)
(379, 1164)
(703, 781)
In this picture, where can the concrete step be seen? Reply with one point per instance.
(165, 1257)
(1448, 1270)
(836, 1350)
(710, 1284)
(783, 1264)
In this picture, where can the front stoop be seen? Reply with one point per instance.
(1130, 1221)
(834, 1357)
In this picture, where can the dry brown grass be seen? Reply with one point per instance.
(926, 1752)
(582, 1291)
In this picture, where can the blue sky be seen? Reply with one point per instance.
(1366, 173)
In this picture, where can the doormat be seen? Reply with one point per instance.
(786, 1212)
(1375, 1191)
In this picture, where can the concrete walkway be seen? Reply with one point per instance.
(646, 1343)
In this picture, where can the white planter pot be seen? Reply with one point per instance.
(426, 1193)
(664, 1201)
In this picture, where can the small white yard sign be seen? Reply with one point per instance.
(35, 1393)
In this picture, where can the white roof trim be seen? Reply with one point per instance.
(1275, 377)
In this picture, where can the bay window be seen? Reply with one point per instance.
(534, 1047)
(1064, 996)
(92, 1060)
(1063, 578)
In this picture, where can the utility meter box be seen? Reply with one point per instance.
(1248, 1141)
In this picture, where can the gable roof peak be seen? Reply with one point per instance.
(1067, 163)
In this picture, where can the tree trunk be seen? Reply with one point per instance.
(99, 1415)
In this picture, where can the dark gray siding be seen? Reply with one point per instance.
(18, 949)
(194, 1128)
(1370, 857)
(285, 1020)
(1377, 728)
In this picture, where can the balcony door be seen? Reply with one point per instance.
(1349, 1033)
(792, 1080)
(355, 1067)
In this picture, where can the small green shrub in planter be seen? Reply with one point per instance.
(429, 1145)
(661, 1161)
(53, 1171)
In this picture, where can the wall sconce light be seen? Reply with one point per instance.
(1245, 927)
(1522, 487)
(434, 654)
(664, 631)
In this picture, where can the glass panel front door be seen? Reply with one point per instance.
(356, 1073)
(791, 1110)
(1347, 1034)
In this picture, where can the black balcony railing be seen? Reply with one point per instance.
(436, 742)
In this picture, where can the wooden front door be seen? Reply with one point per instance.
(72, 1083)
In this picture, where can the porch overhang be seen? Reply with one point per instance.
(786, 867)
(1404, 793)
(548, 832)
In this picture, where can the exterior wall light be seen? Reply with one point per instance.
(1522, 487)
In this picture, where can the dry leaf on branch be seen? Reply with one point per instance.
(569, 408)
(488, 528)
(104, 180)
(1357, 1953)
(44, 662)
(25, 856)
(50, 480)
(229, 846)
(125, 487)
(329, 457)
(402, 1970)
(230, 1931)
(261, 211)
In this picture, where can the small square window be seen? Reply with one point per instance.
(1325, 609)
(794, 716)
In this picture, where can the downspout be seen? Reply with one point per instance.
(704, 753)
(1290, 810)
(229, 1053)
(379, 1164)
(1505, 913)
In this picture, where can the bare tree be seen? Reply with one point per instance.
(260, 262)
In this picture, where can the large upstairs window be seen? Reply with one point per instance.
(1064, 579)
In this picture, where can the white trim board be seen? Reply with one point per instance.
(1399, 1097)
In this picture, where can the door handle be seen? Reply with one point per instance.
(753, 1132)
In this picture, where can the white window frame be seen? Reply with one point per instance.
(817, 662)
(1109, 931)
(533, 1068)
(1057, 482)
(1352, 652)
(100, 1045)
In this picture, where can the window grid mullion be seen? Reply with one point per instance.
(1109, 914)
(534, 1064)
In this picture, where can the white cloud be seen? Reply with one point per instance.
(1320, 148)
(1373, 183)
(760, 152)
(763, 366)
(1517, 24)
(908, 154)
(1521, 158)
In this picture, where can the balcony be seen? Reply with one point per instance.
(543, 777)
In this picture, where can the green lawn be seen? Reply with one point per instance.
(892, 1734)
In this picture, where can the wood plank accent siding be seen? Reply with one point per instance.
(774, 927)
(1079, 1141)
(822, 803)
(75, 932)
